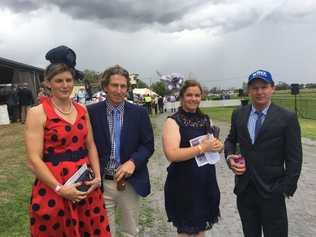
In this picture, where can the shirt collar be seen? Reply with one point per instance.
(110, 107)
(264, 111)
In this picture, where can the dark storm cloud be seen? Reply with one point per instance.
(219, 16)
(147, 12)
(20, 5)
(122, 14)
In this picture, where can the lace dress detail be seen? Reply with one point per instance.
(191, 193)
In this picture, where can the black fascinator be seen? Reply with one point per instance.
(64, 54)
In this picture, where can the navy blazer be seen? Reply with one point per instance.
(137, 141)
(274, 161)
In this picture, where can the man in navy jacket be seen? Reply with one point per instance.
(123, 135)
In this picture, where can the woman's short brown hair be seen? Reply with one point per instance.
(114, 70)
(56, 68)
(190, 83)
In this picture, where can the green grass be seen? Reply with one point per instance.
(308, 126)
(219, 113)
(15, 182)
(306, 102)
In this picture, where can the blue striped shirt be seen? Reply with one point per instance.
(252, 121)
(109, 108)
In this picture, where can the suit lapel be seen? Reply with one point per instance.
(124, 127)
(271, 113)
(244, 122)
(103, 120)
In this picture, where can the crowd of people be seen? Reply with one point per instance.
(115, 139)
(19, 101)
(154, 104)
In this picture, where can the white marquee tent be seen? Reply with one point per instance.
(144, 91)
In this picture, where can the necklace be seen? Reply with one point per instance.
(62, 111)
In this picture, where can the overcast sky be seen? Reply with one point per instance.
(218, 42)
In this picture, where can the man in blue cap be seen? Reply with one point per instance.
(269, 162)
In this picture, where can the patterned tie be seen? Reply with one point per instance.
(117, 133)
(258, 123)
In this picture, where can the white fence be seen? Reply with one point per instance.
(4, 117)
(207, 103)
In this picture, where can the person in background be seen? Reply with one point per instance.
(81, 96)
(125, 141)
(42, 94)
(59, 141)
(172, 101)
(26, 100)
(13, 103)
(148, 101)
(269, 161)
(155, 104)
(160, 104)
(192, 195)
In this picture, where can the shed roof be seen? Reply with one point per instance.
(14, 64)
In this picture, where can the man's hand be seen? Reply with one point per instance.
(125, 170)
(237, 168)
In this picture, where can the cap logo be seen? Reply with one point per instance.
(260, 73)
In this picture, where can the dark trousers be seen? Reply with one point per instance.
(160, 108)
(14, 112)
(148, 105)
(259, 214)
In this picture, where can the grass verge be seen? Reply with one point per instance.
(308, 126)
(15, 182)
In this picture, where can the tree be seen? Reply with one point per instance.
(91, 76)
(310, 85)
(159, 87)
(141, 84)
(282, 86)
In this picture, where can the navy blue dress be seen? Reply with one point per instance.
(191, 193)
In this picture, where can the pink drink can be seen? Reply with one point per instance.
(240, 160)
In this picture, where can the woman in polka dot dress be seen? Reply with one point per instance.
(59, 141)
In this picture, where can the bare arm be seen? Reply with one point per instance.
(171, 144)
(34, 137)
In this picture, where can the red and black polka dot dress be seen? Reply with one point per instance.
(50, 214)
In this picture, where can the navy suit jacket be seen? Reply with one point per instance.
(137, 141)
(274, 161)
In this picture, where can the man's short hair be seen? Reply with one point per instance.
(114, 70)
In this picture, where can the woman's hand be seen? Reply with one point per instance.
(71, 192)
(95, 183)
(211, 144)
(216, 145)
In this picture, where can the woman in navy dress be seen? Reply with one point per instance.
(191, 193)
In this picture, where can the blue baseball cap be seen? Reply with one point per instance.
(261, 74)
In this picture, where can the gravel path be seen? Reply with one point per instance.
(301, 207)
